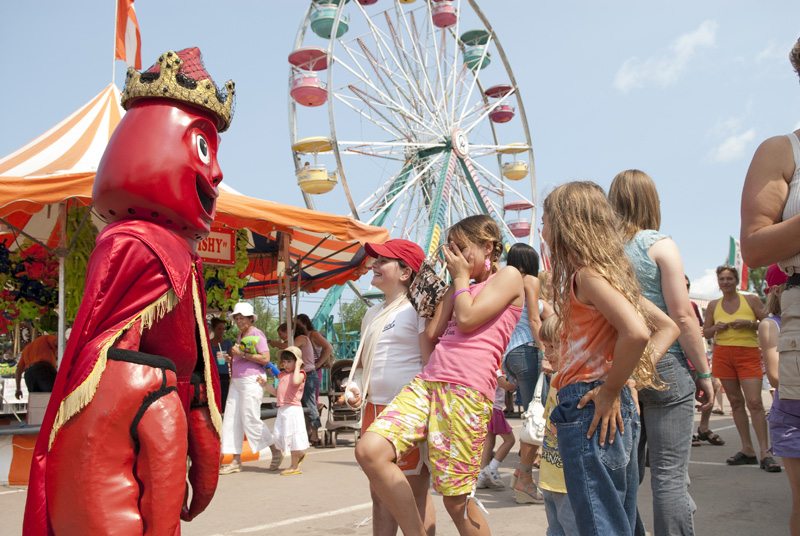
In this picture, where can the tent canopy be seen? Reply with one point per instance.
(58, 168)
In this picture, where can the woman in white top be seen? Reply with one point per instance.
(769, 234)
(390, 355)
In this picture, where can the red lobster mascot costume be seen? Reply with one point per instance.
(136, 394)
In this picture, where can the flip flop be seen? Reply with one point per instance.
(769, 465)
(291, 472)
(717, 412)
(740, 458)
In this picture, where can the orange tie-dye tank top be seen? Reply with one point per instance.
(587, 344)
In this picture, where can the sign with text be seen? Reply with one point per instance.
(219, 247)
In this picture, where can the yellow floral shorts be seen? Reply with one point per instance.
(453, 418)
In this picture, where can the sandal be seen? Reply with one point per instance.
(275, 464)
(696, 441)
(740, 458)
(528, 495)
(230, 468)
(711, 437)
(291, 472)
(769, 465)
(717, 411)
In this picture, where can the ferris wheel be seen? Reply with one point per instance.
(407, 115)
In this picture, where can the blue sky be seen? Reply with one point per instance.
(683, 90)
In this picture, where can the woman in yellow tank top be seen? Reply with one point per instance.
(732, 321)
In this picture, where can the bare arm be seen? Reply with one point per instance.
(768, 341)
(766, 239)
(327, 348)
(503, 382)
(665, 330)
(673, 285)
(298, 374)
(710, 328)
(504, 289)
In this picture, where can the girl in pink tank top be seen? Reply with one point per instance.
(449, 404)
(609, 334)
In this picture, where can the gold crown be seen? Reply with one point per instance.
(170, 83)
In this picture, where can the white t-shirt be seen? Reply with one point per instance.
(397, 358)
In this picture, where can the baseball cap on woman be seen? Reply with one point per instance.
(400, 249)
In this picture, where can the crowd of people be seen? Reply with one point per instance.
(607, 341)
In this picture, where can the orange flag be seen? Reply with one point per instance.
(129, 42)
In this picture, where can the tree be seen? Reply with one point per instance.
(350, 315)
(756, 281)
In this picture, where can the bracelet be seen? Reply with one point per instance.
(703, 375)
(460, 291)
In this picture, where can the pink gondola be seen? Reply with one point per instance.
(518, 205)
(309, 59)
(444, 14)
(498, 92)
(502, 114)
(308, 90)
(367, 2)
(520, 229)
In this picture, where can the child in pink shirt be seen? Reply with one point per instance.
(290, 429)
(449, 404)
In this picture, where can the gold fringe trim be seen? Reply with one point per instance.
(216, 417)
(83, 394)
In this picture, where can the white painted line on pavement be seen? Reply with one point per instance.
(12, 491)
(292, 521)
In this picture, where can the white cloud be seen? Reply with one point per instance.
(773, 52)
(733, 147)
(706, 287)
(665, 68)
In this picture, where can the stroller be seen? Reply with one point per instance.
(341, 418)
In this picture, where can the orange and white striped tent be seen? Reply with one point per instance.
(59, 167)
(69, 151)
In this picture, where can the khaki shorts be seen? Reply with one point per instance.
(789, 345)
(452, 418)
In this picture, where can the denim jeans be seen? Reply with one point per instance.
(560, 517)
(309, 399)
(601, 481)
(522, 367)
(667, 420)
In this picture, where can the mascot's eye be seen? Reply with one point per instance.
(202, 149)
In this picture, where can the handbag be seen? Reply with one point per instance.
(427, 288)
(533, 421)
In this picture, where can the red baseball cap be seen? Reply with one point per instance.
(774, 277)
(398, 248)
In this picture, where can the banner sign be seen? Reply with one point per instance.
(219, 247)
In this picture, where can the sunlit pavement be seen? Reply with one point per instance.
(332, 497)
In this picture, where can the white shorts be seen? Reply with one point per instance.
(290, 429)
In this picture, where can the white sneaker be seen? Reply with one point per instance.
(495, 482)
(483, 479)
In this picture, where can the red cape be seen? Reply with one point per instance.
(134, 265)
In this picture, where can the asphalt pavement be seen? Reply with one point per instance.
(332, 497)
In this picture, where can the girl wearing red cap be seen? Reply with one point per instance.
(388, 358)
(447, 406)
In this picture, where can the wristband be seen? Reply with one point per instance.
(703, 375)
(459, 291)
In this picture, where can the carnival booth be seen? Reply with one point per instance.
(45, 200)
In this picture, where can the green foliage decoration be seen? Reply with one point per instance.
(82, 238)
(224, 284)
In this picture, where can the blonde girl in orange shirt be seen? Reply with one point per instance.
(609, 333)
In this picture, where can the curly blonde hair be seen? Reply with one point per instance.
(585, 233)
